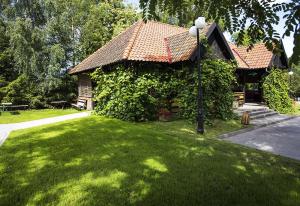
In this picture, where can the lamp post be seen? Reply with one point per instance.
(290, 78)
(194, 31)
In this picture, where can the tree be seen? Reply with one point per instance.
(6, 68)
(40, 40)
(242, 38)
(105, 21)
(260, 15)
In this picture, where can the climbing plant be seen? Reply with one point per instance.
(217, 79)
(137, 93)
(276, 91)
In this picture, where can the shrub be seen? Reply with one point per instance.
(276, 91)
(17, 91)
(38, 95)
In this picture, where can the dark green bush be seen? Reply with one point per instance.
(276, 91)
(22, 91)
(17, 91)
(38, 95)
(127, 94)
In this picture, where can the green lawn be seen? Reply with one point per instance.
(28, 115)
(101, 161)
(297, 109)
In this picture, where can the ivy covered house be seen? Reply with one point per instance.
(152, 43)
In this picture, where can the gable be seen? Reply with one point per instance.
(183, 47)
(219, 44)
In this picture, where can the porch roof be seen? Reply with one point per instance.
(258, 57)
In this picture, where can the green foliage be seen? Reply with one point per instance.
(276, 91)
(42, 39)
(26, 43)
(295, 81)
(242, 38)
(17, 91)
(22, 91)
(7, 73)
(217, 80)
(104, 21)
(127, 94)
(124, 95)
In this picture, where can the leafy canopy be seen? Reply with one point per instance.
(42, 39)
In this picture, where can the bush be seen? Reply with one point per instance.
(17, 91)
(137, 96)
(27, 90)
(21, 91)
(276, 91)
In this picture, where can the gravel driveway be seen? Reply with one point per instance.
(282, 139)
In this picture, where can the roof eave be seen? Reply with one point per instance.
(93, 68)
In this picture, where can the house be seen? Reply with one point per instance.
(253, 65)
(148, 42)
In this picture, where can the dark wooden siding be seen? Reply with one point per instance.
(278, 61)
(217, 44)
(217, 51)
(84, 86)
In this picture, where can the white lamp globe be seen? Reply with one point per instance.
(200, 22)
(193, 31)
(291, 72)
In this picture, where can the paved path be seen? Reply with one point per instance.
(5, 129)
(282, 138)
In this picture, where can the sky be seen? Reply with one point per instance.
(288, 42)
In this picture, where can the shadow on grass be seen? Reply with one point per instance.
(99, 161)
(15, 113)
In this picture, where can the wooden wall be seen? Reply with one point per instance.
(219, 48)
(84, 86)
(85, 90)
(278, 61)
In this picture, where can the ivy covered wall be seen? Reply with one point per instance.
(137, 92)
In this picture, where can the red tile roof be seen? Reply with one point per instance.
(115, 50)
(258, 57)
(181, 46)
(151, 41)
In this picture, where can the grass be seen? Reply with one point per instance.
(101, 161)
(28, 115)
(297, 109)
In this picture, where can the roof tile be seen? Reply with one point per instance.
(257, 57)
(151, 41)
